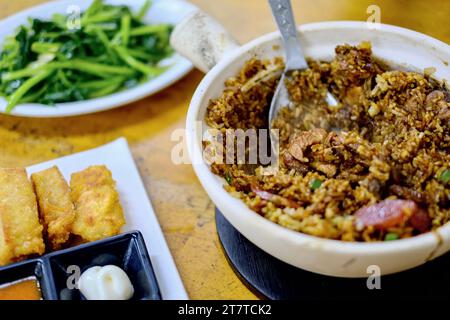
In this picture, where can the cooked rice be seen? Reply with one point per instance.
(392, 142)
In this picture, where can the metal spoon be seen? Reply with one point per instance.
(295, 59)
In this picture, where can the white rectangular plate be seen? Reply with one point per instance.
(138, 210)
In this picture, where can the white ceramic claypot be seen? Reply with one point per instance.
(196, 37)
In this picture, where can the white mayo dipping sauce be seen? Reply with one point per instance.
(105, 283)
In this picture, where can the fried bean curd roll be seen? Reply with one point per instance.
(56, 209)
(99, 213)
(20, 228)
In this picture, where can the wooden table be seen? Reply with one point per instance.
(184, 210)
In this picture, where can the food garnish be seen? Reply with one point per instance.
(373, 166)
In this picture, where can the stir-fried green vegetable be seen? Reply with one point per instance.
(110, 49)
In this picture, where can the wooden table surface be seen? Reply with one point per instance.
(185, 212)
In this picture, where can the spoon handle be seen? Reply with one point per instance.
(284, 17)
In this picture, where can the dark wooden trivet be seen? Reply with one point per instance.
(271, 278)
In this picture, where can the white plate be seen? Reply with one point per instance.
(138, 210)
(162, 11)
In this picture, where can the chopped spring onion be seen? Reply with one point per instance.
(391, 236)
(315, 184)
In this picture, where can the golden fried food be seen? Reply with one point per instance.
(55, 206)
(97, 205)
(20, 229)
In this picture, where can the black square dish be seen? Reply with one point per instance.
(126, 251)
(31, 268)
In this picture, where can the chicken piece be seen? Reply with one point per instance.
(98, 212)
(20, 229)
(55, 206)
(301, 141)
